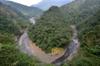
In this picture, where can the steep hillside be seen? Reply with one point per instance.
(89, 34)
(6, 22)
(51, 30)
(85, 14)
(12, 24)
(9, 29)
(10, 16)
(78, 10)
(25, 10)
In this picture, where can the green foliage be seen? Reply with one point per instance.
(11, 21)
(6, 38)
(7, 25)
(25, 10)
(79, 10)
(11, 56)
(87, 13)
(9, 28)
(11, 25)
(84, 58)
(51, 30)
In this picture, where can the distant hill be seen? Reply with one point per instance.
(11, 21)
(25, 10)
(46, 4)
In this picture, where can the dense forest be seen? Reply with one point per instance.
(12, 24)
(85, 14)
(9, 29)
(82, 13)
(50, 31)
(89, 34)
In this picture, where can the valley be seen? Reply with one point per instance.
(30, 48)
(60, 36)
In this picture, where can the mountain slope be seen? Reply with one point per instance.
(10, 27)
(51, 30)
(12, 24)
(46, 4)
(79, 10)
(25, 10)
(6, 22)
(85, 15)
(89, 34)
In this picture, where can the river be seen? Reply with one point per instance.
(71, 50)
(33, 50)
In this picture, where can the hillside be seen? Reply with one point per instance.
(82, 13)
(10, 27)
(85, 14)
(6, 15)
(89, 34)
(51, 30)
(25, 10)
(12, 24)
(80, 9)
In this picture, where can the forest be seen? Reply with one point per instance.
(52, 30)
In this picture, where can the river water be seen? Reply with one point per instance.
(69, 53)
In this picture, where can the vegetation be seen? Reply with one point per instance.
(57, 51)
(11, 56)
(78, 10)
(88, 24)
(11, 21)
(25, 10)
(51, 30)
(85, 15)
(11, 25)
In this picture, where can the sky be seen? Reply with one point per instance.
(46, 4)
(27, 2)
(33, 2)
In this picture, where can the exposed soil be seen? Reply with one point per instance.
(30, 48)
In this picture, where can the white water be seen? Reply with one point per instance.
(32, 20)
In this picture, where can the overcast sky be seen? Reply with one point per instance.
(27, 2)
(33, 2)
